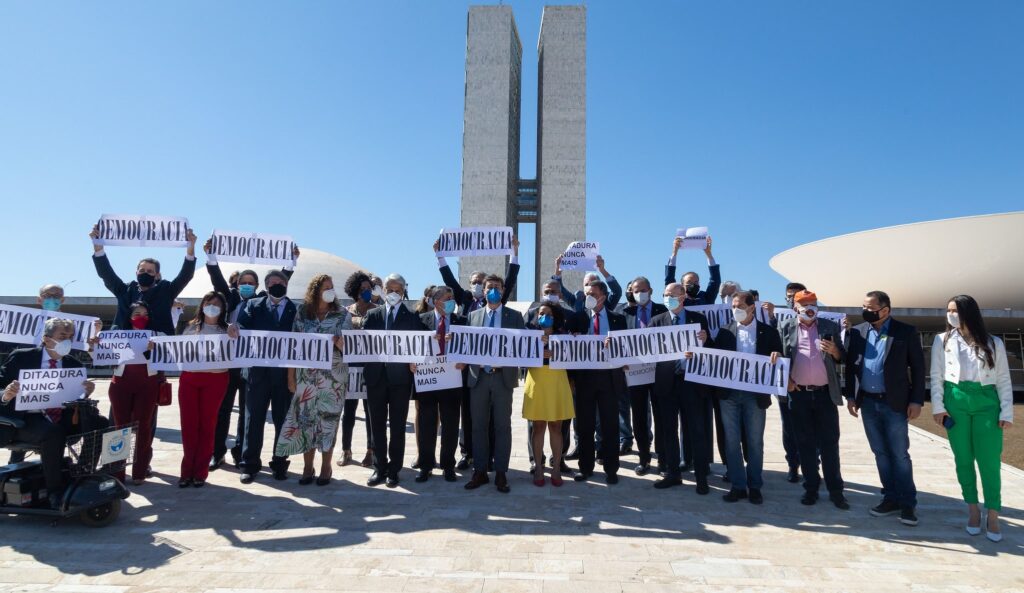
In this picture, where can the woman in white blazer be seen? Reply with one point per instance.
(973, 398)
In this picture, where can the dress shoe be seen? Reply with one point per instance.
(449, 475)
(198, 483)
(416, 464)
(755, 496)
(423, 476)
(667, 482)
(376, 479)
(216, 462)
(501, 483)
(886, 508)
(611, 479)
(367, 459)
(556, 482)
(908, 516)
(247, 478)
(463, 463)
(840, 501)
(392, 481)
(582, 476)
(973, 530)
(307, 479)
(625, 449)
(702, 487)
(793, 476)
(573, 455)
(643, 468)
(734, 495)
(809, 498)
(281, 474)
(184, 482)
(565, 469)
(478, 480)
(993, 536)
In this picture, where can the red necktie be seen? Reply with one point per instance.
(54, 414)
(597, 324)
(440, 334)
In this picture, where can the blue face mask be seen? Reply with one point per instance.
(494, 296)
(449, 307)
(246, 290)
(672, 303)
(51, 304)
(545, 321)
(366, 295)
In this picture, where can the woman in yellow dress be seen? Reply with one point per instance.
(548, 397)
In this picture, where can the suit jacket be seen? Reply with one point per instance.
(903, 369)
(394, 373)
(510, 319)
(577, 300)
(465, 297)
(231, 294)
(631, 314)
(257, 314)
(789, 335)
(704, 297)
(160, 297)
(17, 361)
(664, 372)
(590, 378)
(768, 341)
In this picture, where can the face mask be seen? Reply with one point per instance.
(809, 313)
(140, 322)
(62, 348)
(246, 290)
(449, 307)
(277, 291)
(642, 298)
(671, 303)
(590, 303)
(51, 304)
(493, 296)
(145, 279)
(211, 310)
(692, 290)
(740, 315)
(477, 290)
(869, 315)
(366, 295)
(545, 321)
(953, 319)
(552, 298)
(329, 296)
(377, 292)
(393, 298)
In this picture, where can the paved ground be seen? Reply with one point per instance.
(279, 536)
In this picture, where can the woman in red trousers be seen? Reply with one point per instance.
(199, 396)
(134, 390)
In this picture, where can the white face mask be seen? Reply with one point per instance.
(551, 298)
(329, 296)
(740, 315)
(590, 303)
(477, 289)
(642, 297)
(393, 298)
(211, 310)
(809, 312)
(62, 348)
(377, 291)
(953, 319)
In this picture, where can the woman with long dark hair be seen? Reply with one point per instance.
(973, 398)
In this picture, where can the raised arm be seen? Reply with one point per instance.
(460, 294)
(670, 267)
(614, 288)
(714, 276)
(512, 274)
(188, 269)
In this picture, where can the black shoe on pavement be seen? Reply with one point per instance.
(734, 495)
(643, 468)
(463, 463)
(908, 517)
(216, 462)
(478, 480)
(392, 481)
(449, 475)
(247, 478)
(702, 487)
(582, 476)
(794, 475)
(423, 476)
(572, 455)
(886, 508)
(611, 479)
(809, 498)
(840, 501)
(376, 479)
(667, 483)
(755, 496)
(501, 483)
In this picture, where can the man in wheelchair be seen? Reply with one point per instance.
(44, 430)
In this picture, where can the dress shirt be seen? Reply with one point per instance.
(968, 357)
(872, 376)
(602, 322)
(808, 367)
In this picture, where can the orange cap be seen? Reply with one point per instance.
(805, 296)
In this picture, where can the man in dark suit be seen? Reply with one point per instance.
(677, 396)
(491, 394)
(743, 412)
(691, 281)
(885, 383)
(389, 386)
(148, 287)
(443, 402)
(575, 300)
(48, 429)
(639, 315)
(266, 387)
(597, 390)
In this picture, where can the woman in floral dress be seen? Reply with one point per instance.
(312, 422)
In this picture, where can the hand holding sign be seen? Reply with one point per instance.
(143, 231)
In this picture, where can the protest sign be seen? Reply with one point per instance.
(436, 374)
(356, 384)
(121, 347)
(252, 348)
(116, 446)
(203, 352)
(738, 370)
(783, 313)
(142, 231)
(652, 344)
(640, 374)
(720, 315)
(24, 325)
(694, 237)
(40, 389)
(580, 255)
(491, 240)
(496, 346)
(373, 345)
(578, 352)
(253, 248)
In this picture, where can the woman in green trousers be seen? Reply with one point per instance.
(973, 398)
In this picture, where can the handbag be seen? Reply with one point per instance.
(165, 396)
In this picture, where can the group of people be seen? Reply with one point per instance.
(882, 359)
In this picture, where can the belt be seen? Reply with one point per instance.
(869, 395)
(810, 387)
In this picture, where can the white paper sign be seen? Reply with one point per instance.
(374, 345)
(490, 240)
(356, 384)
(24, 325)
(437, 374)
(253, 248)
(783, 313)
(652, 344)
(720, 315)
(580, 255)
(252, 348)
(694, 237)
(578, 352)
(49, 388)
(640, 374)
(738, 370)
(117, 446)
(143, 231)
(121, 347)
(496, 346)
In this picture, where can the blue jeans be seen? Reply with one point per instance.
(888, 436)
(743, 420)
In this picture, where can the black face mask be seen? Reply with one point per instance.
(145, 280)
(871, 316)
(692, 290)
(278, 290)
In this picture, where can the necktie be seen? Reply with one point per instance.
(388, 319)
(54, 414)
(490, 323)
(597, 324)
(441, 334)
(277, 312)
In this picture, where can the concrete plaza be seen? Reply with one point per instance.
(279, 536)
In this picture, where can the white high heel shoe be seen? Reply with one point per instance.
(973, 530)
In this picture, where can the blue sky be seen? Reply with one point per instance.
(340, 123)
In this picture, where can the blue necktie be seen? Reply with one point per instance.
(490, 323)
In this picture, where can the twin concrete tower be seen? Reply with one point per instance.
(493, 194)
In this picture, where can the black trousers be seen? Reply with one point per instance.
(816, 421)
(50, 439)
(236, 384)
(266, 389)
(596, 396)
(683, 399)
(348, 423)
(389, 406)
(789, 443)
(639, 399)
(434, 405)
